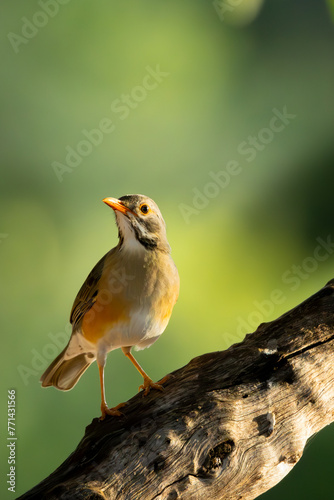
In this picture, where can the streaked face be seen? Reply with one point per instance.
(139, 215)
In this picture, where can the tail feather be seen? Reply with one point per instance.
(64, 373)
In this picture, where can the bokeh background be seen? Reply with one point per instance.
(226, 66)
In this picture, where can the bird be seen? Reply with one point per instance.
(126, 301)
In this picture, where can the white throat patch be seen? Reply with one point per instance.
(130, 241)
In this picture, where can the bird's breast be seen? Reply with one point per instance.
(134, 301)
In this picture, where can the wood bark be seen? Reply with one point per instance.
(229, 425)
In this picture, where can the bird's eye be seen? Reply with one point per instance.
(144, 208)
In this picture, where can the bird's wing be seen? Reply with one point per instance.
(87, 294)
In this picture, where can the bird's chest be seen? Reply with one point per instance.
(133, 300)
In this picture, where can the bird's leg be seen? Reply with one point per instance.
(148, 382)
(104, 407)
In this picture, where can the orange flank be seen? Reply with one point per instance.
(106, 312)
(168, 313)
(166, 304)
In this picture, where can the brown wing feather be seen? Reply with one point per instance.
(87, 294)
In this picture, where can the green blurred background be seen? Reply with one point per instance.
(228, 68)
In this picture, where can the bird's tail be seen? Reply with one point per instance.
(64, 373)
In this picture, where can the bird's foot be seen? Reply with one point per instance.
(149, 384)
(114, 412)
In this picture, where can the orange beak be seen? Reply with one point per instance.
(115, 204)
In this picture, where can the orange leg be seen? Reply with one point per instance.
(104, 407)
(148, 382)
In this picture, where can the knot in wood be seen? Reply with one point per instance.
(217, 455)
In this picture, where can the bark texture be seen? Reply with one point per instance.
(229, 425)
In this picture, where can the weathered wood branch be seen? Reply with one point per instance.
(230, 425)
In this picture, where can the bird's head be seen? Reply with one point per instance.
(139, 220)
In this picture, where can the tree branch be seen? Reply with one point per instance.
(229, 425)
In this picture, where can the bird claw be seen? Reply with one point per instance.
(114, 412)
(149, 384)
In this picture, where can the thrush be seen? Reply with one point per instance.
(126, 300)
